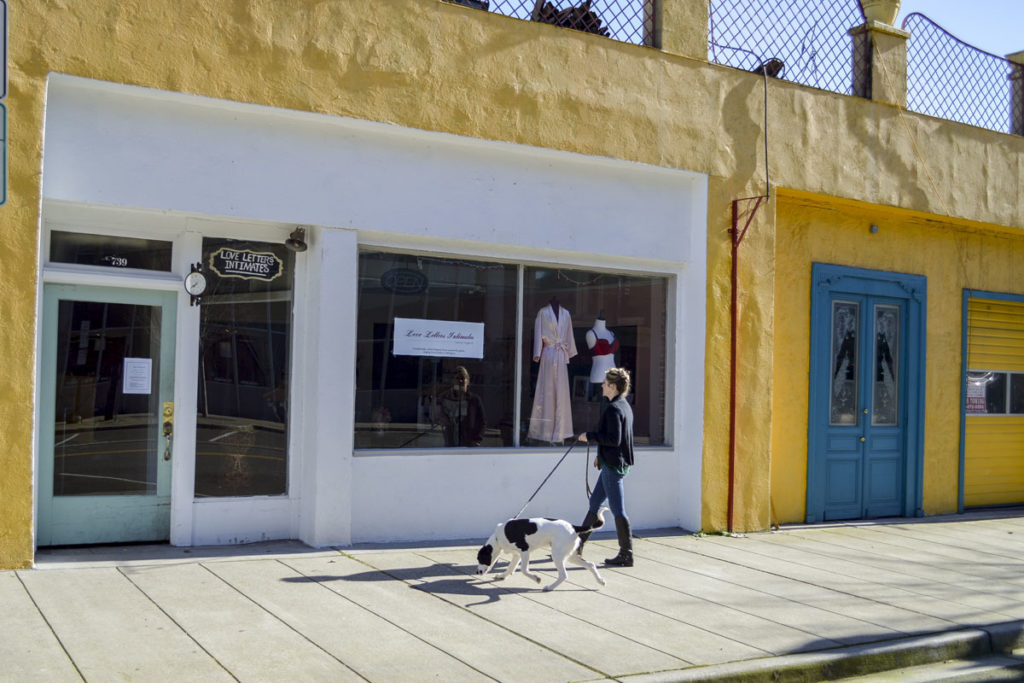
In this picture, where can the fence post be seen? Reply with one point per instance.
(880, 62)
(684, 27)
(1017, 93)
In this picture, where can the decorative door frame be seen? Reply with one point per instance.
(829, 278)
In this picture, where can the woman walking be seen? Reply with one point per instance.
(614, 439)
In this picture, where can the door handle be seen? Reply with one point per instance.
(168, 430)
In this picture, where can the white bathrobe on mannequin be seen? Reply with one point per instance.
(553, 346)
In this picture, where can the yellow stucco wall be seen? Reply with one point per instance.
(953, 255)
(431, 65)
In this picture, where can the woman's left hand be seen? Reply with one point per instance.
(582, 437)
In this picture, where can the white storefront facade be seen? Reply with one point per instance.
(298, 418)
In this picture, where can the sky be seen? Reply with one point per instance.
(995, 26)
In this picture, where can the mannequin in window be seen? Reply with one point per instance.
(553, 346)
(461, 412)
(602, 343)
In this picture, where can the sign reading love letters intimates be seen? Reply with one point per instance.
(246, 264)
(415, 337)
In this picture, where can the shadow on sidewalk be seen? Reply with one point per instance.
(449, 579)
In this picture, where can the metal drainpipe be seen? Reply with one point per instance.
(737, 239)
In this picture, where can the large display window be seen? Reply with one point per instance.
(460, 353)
(580, 324)
(422, 381)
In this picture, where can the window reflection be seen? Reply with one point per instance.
(244, 353)
(845, 335)
(986, 392)
(578, 324)
(885, 399)
(109, 251)
(422, 395)
(105, 439)
(432, 396)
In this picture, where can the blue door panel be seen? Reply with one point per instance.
(843, 482)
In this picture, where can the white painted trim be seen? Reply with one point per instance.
(68, 274)
(327, 403)
(188, 249)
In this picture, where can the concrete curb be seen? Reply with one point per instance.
(856, 660)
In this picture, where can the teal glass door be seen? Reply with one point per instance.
(106, 415)
(865, 409)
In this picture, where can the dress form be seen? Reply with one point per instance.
(601, 341)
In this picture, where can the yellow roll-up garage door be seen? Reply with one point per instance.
(994, 445)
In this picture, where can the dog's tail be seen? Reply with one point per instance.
(596, 525)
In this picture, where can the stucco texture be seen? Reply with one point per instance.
(952, 255)
(433, 65)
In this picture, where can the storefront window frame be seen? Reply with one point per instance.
(671, 284)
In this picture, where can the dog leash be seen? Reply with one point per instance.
(586, 471)
(573, 445)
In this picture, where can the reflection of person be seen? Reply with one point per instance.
(553, 346)
(462, 413)
(614, 439)
(602, 342)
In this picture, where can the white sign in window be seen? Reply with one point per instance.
(443, 338)
(138, 376)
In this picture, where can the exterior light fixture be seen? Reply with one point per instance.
(771, 68)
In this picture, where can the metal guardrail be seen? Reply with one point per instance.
(628, 21)
(949, 79)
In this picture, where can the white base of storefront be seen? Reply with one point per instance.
(177, 167)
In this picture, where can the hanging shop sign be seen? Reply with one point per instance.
(443, 338)
(246, 264)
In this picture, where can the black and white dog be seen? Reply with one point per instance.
(521, 536)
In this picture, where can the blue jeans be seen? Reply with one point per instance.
(609, 487)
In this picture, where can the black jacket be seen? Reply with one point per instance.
(614, 435)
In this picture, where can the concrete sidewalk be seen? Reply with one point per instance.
(806, 603)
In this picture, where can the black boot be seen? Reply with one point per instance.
(625, 556)
(590, 522)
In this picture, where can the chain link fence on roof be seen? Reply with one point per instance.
(628, 21)
(804, 41)
(949, 79)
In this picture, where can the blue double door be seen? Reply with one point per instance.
(867, 360)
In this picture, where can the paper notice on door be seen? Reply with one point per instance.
(977, 392)
(138, 376)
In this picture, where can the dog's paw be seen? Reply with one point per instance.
(536, 578)
(548, 588)
(602, 582)
(499, 578)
